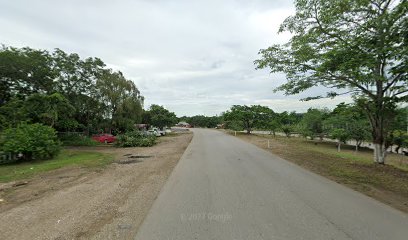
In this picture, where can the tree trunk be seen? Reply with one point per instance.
(248, 127)
(378, 120)
(338, 146)
(356, 147)
(379, 142)
(379, 153)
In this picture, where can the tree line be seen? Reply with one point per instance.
(202, 121)
(345, 122)
(64, 91)
(49, 98)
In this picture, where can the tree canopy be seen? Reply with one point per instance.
(202, 121)
(64, 91)
(159, 116)
(360, 46)
(249, 116)
(311, 124)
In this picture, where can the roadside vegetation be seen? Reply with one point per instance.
(135, 139)
(77, 139)
(344, 124)
(28, 142)
(65, 92)
(45, 93)
(387, 183)
(349, 47)
(53, 99)
(203, 121)
(159, 116)
(67, 158)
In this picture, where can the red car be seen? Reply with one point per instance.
(104, 138)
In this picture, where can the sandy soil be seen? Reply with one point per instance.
(76, 203)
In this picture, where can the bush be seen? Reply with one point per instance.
(135, 139)
(76, 139)
(29, 142)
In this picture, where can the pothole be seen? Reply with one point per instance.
(132, 159)
(129, 161)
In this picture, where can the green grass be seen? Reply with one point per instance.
(17, 171)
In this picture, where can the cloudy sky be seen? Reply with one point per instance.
(193, 57)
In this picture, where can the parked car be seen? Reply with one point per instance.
(162, 133)
(154, 132)
(158, 132)
(104, 138)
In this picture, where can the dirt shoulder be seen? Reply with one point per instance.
(388, 183)
(78, 203)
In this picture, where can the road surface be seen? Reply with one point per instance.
(224, 188)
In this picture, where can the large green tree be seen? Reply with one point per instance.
(128, 113)
(12, 113)
(24, 71)
(289, 122)
(249, 116)
(311, 124)
(75, 76)
(76, 79)
(357, 45)
(352, 122)
(160, 117)
(121, 99)
(53, 110)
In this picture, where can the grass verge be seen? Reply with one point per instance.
(386, 183)
(24, 170)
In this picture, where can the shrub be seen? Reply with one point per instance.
(29, 142)
(76, 139)
(135, 139)
(287, 129)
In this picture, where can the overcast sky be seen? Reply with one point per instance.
(193, 57)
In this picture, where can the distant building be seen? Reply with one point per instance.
(142, 127)
(183, 124)
(220, 126)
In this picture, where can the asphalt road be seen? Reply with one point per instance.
(224, 188)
